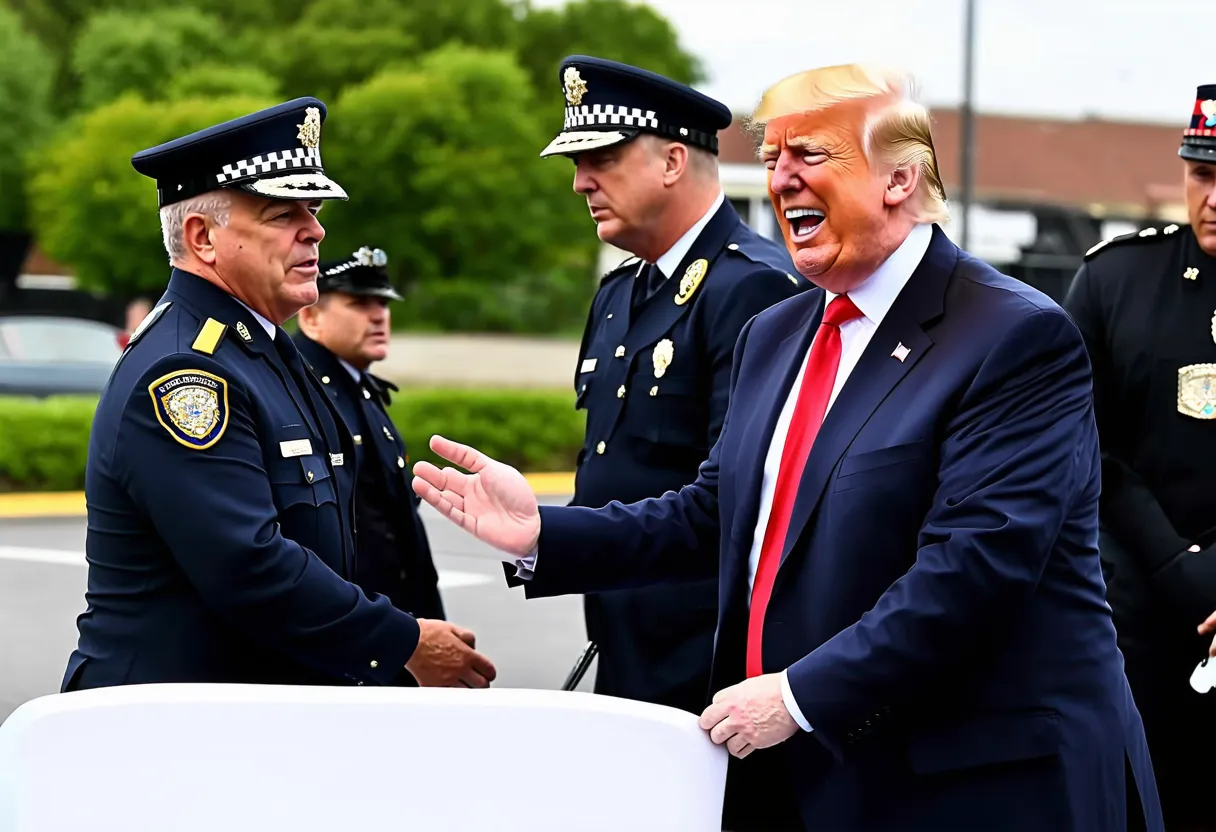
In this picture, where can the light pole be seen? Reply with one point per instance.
(967, 120)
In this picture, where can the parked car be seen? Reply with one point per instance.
(47, 355)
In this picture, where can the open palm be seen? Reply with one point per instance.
(493, 501)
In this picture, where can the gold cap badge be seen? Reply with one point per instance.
(576, 87)
(310, 130)
(663, 353)
(692, 278)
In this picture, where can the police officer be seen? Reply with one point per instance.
(654, 366)
(218, 483)
(1145, 303)
(340, 336)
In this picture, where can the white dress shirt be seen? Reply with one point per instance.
(873, 298)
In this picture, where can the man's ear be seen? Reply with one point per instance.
(309, 318)
(901, 185)
(675, 162)
(196, 232)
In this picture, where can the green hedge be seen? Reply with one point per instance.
(44, 443)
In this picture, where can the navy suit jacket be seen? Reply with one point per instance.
(939, 604)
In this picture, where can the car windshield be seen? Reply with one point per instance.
(51, 340)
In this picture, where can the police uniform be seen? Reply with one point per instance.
(394, 555)
(1146, 304)
(220, 518)
(653, 373)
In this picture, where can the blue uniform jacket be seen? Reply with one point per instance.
(654, 380)
(939, 603)
(394, 553)
(220, 515)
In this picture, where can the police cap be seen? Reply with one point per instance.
(608, 103)
(273, 153)
(1199, 138)
(363, 273)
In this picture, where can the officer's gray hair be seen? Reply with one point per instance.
(214, 204)
(701, 163)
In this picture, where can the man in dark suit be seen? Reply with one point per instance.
(654, 365)
(341, 335)
(912, 628)
(220, 545)
(1144, 303)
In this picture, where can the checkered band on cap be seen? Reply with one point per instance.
(300, 157)
(587, 116)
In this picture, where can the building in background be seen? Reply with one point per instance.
(1045, 190)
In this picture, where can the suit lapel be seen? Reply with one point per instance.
(786, 358)
(875, 376)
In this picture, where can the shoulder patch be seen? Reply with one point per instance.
(192, 405)
(1150, 234)
(149, 319)
(209, 336)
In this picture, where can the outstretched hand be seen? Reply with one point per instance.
(1208, 626)
(493, 502)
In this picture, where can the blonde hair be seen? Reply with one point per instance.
(898, 131)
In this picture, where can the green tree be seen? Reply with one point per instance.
(119, 52)
(215, 80)
(441, 162)
(25, 87)
(90, 208)
(632, 33)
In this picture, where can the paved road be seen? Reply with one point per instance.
(42, 580)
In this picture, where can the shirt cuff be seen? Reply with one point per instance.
(791, 705)
(525, 567)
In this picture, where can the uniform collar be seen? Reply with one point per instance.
(875, 295)
(671, 259)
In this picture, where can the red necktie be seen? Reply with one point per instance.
(812, 404)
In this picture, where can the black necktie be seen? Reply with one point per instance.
(648, 283)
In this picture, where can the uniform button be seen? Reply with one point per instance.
(620, 392)
(584, 389)
(375, 664)
(654, 391)
(599, 449)
(733, 246)
(620, 352)
(400, 462)
(325, 379)
(366, 395)
(309, 476)
(358, 439)
(610, 316)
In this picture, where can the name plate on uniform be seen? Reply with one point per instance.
(588, 365)
(296, 447)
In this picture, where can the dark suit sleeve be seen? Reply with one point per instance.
(1130, 511)
(665, 539)
(215, 511)
(1017, 456)
(749, 297)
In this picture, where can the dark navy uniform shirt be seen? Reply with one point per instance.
(220, 515)
(394, 554)
(653, 376)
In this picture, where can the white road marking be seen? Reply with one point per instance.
(448, 578)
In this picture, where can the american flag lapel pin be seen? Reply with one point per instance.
(900, 352)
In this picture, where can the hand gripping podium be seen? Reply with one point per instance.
(253, 758)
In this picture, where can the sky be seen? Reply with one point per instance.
(1138, 60)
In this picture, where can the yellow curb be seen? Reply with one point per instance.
(71, 503)
(49, 504)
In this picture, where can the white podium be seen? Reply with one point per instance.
(246, 758)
